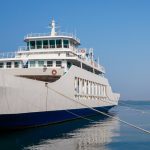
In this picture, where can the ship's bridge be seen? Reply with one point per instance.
(51, 40)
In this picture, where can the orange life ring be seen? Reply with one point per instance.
(54, 72)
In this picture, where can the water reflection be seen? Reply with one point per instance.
(75, 135)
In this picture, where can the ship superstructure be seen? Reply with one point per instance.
(48, 51)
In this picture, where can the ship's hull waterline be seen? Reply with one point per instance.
(26, 120)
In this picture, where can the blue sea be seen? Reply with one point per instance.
(102, 133)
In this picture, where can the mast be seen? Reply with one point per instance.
(53, 33)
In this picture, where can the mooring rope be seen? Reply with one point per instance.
(100, 112)
(134, 109)
(79, 115)
(127, 106)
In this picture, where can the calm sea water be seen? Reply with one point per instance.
(101, 134)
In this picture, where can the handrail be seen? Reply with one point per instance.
(48, 34)
(7, 55)
(98, 66)
(23, 48)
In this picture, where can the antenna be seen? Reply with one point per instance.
(98, 61)
(58, 28)
(75, 32)
(52, 25)
(91, 53)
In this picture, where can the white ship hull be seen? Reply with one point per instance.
(27, 102)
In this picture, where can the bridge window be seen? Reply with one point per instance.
(49, 63)
(32, 44)
(45, 44)
(28, 46)
(52, 43)
(16, 64)
(32, 63)
(39, 44)
(1, 65)
(58, 43)
(40, 63)
(58, 63)
(66, 43)
(8, 64)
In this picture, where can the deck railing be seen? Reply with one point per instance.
(23, 48)
(48, 34)
(4, 55)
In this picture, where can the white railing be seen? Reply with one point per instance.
(23, 48)
(70, 35)
(4, 55)
(92, 63)
(37, 35)
(48, 34)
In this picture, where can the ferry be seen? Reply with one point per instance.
(51, 80)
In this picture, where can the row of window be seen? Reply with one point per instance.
(30, 64)
(86, 87)
(59, 43)
(9, 64)
(48, 63)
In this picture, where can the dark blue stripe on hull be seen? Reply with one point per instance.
(13, 121)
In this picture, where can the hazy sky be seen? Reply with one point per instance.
(118, 30)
